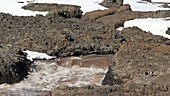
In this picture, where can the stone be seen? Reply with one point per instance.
(13, 67)
(111, 78)
(117, 19)
(147, 0)
(46, 34)
(168, 31)
(63, 10)
(111, 3)
(141, 63)
(96, 14)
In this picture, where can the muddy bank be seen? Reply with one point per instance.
(119, 18)
(26, 93)
(63, 10)
(13, 67)
(96, 14)
(141, 49)
(57, 36)
(142, 63)
(65, 37)
(62, 37)
(117, 15)
(140, 67)
(53, 35)
(137, 35)
(131, 90)
(114, 16)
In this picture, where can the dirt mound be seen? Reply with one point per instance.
(111, 3)
(131, 90)
(140, 67)
(135, 34)
(13, 67)
(57, 36)
(63, 10)
(142, 63)
(116, 20)
(94, 15)
(139, 39)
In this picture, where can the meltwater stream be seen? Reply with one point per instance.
(48, 75)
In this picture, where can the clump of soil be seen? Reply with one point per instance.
(63, 10)
(13, 67)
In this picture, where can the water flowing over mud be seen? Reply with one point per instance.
(70, 71)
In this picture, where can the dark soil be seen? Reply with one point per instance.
(168, 31)
(118, 90)
(13, 67)
(63, 10)
(57, 36)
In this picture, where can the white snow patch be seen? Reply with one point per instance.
(161, 1)
(31, 55)
(14, 8)
(24, 1)
(120, 28)
(138, 5)
(157, 26)
(86, 5)
(75, 58)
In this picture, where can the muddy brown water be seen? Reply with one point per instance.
(70, 71)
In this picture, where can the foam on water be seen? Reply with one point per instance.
(48, 76)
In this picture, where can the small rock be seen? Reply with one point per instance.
(96, 14)
(147, 0)
(111, 3)
(111, 78)
(13, 67)
(63, 10)
(168, 31)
